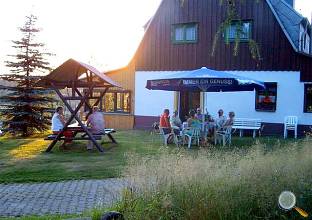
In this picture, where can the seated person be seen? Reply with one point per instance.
(209, 124)
(198, 114)
(97, 124)
(164, 123)
(175, 121)
(58, 123)
(221, 119)
(229, 122)
(192, 122)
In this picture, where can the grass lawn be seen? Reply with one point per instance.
(25, 160)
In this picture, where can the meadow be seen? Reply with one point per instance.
(241, 181)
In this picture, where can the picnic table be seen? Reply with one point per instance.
(81, 79)
(76, 129)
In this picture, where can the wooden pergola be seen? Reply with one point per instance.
(76, 75)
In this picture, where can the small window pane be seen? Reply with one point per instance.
(191, 33)
(109, 102)
(179, 34)
(119, 101)
(92, 101)
(240, 30)
(184, 33)
(266, 99)
(126, 103)
(308, 98)
(232, 31)
(245, 30)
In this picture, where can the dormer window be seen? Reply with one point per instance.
(304, 40)
(184, 33)
(240, 30)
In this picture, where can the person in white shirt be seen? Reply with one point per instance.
(58, 122)
(175, 120)
(221, 119)
(97, 124)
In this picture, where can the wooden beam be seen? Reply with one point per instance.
(97, 101)
(74, 115)
(68, 121)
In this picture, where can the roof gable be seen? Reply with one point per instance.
(289, 20)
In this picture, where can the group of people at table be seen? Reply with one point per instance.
(95, 123)
(195, 120)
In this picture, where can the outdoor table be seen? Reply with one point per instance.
(75, 128)
(81, 79)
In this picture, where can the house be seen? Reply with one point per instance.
(181, 38)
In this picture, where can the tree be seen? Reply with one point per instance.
(24, 105)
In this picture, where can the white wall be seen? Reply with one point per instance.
(151, 102)
(290, 98)
(290, 95)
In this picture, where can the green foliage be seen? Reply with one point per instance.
(232, 15)
(23, 106)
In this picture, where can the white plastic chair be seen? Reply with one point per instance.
(290, 123)
(194, 135)
(166, 136)
(225, 136)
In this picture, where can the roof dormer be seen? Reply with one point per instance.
(305, 38)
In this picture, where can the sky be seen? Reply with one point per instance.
(103, 33)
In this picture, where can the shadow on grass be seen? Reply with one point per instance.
(25, 160)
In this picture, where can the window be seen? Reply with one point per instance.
(304, 39)
(266, 98)
(184, 33)
(117, 102)
(113, 101)
(240, 30)
(308, 98)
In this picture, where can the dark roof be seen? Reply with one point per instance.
(289, 20)
(74, 71)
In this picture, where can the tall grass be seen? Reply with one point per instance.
(218, 185)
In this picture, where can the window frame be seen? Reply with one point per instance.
(244, 40)
(184, 26)
(257, 97)
(305, 107)
(115, 92)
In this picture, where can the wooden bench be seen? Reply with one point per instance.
(247, 124)
(51, 137)
(107, 132)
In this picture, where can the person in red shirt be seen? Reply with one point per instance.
(164, 122)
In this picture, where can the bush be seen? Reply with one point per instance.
(215, 185)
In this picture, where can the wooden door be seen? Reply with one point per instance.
(188, 101)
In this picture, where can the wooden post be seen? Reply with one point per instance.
(73, 115)
(69, 120)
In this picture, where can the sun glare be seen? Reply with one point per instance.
(29, 150)
(104, 33)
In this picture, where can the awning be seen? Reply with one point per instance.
(205, 80)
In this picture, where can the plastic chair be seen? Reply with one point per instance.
(225, 136)
(193, 135)
(290, 123)
(166, 136)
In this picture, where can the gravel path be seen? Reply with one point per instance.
(68, 197)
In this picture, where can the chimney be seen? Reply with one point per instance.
(290, 2)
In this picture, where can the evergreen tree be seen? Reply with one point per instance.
(23, 106)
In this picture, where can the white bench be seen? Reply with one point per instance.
(247, 124)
